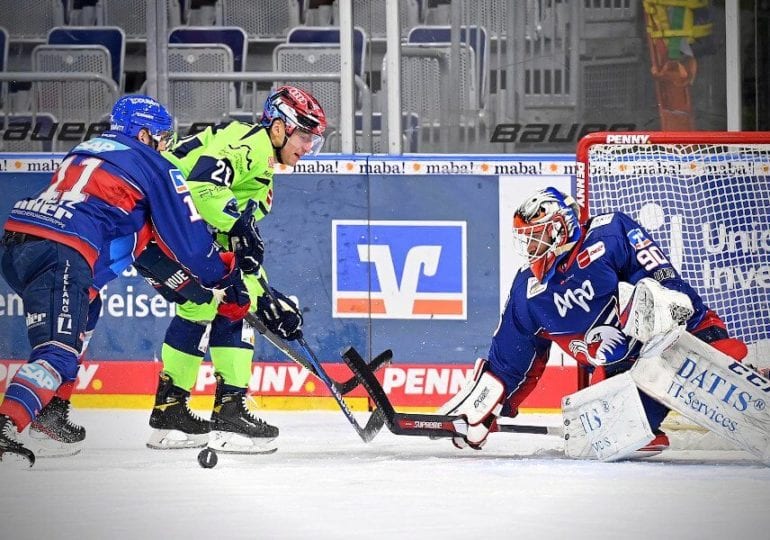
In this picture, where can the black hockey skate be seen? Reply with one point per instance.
(234, 428)
(54, 433)
(175, 425)
(10, 447)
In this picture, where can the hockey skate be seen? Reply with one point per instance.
(53, 434)
(234, 429)
(11, 450)
(175, 425)
(654, 447)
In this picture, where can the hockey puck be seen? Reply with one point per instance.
(207, 458)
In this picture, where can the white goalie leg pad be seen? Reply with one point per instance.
(654, 310)
(711, 389)
(605, 420)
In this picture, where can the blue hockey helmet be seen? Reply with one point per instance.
(546, 227)
(132, 113)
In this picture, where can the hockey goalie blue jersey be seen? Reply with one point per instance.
(108, 197)
(578, 307)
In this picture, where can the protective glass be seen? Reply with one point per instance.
(306, 140)
(167, 138)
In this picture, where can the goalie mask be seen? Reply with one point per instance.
(545, 228)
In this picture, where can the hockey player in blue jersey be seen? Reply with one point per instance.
(569, 295)
(59, 246)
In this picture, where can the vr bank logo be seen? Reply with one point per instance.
(399, 269)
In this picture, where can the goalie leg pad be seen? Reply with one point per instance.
(711, 389)
(480, 402)
(605, 420)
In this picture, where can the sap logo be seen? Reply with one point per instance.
(638, 239)
(577, 297)
(627, 139)
(399, 269)
(100, 144)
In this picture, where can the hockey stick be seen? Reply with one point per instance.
(344, 387)
(376, 420)
(167, 275)
(423, 425)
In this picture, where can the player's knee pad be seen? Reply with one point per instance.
(227, 333)
(732, 347)
(187, 336)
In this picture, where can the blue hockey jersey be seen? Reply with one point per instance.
(578, 307)
(108, 197)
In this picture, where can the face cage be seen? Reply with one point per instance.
(536, 242)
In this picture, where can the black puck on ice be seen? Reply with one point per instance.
(207, 458)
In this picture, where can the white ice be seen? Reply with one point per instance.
(325, 483)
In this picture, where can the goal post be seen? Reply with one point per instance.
(705, 198)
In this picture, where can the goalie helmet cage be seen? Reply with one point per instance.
(705, 198)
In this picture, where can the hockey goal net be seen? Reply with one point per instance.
(705, 198)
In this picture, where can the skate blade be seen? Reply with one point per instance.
(11, 459)
(54, 449)
(233, 443)
(172, 439)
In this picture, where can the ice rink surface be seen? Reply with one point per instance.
(325, 483)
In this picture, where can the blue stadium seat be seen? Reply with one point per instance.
(232, 36)
(474, 36)
(331, 34)
(110, 37)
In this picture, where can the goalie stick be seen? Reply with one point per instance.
(422, 425)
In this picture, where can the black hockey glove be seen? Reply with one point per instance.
(246, 242)
(282, 317)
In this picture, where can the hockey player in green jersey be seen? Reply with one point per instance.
(229, 170)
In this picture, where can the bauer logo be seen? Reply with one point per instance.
(399, 269)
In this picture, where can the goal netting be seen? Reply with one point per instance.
(705, 198)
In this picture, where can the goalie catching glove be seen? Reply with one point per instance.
(246, 242)
(280, 315)
(480, 401)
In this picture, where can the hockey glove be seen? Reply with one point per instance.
(282, 317)
(480, 402)
(232, 292)
(246, 242)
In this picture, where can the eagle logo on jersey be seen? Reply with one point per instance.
(601, 345)
(604, 343)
